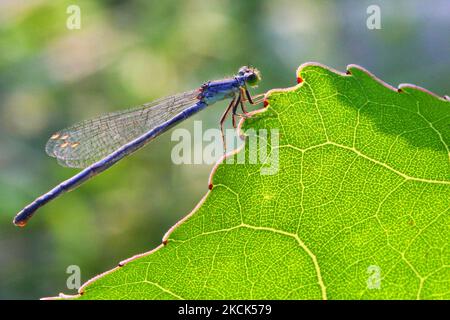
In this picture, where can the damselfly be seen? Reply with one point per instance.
(97, 144)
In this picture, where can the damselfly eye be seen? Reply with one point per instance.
(252, 77)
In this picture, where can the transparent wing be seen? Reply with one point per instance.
(91, 140)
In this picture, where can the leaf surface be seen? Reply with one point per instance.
(359, 206)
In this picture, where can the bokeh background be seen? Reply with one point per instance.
(130, 52)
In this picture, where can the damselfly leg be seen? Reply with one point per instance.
(245, 96)
(222, 121)
(239, 100)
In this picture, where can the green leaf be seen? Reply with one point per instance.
(359, 206)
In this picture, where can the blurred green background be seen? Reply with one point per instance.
(130, 52)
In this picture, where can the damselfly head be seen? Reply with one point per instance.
(252, 75)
